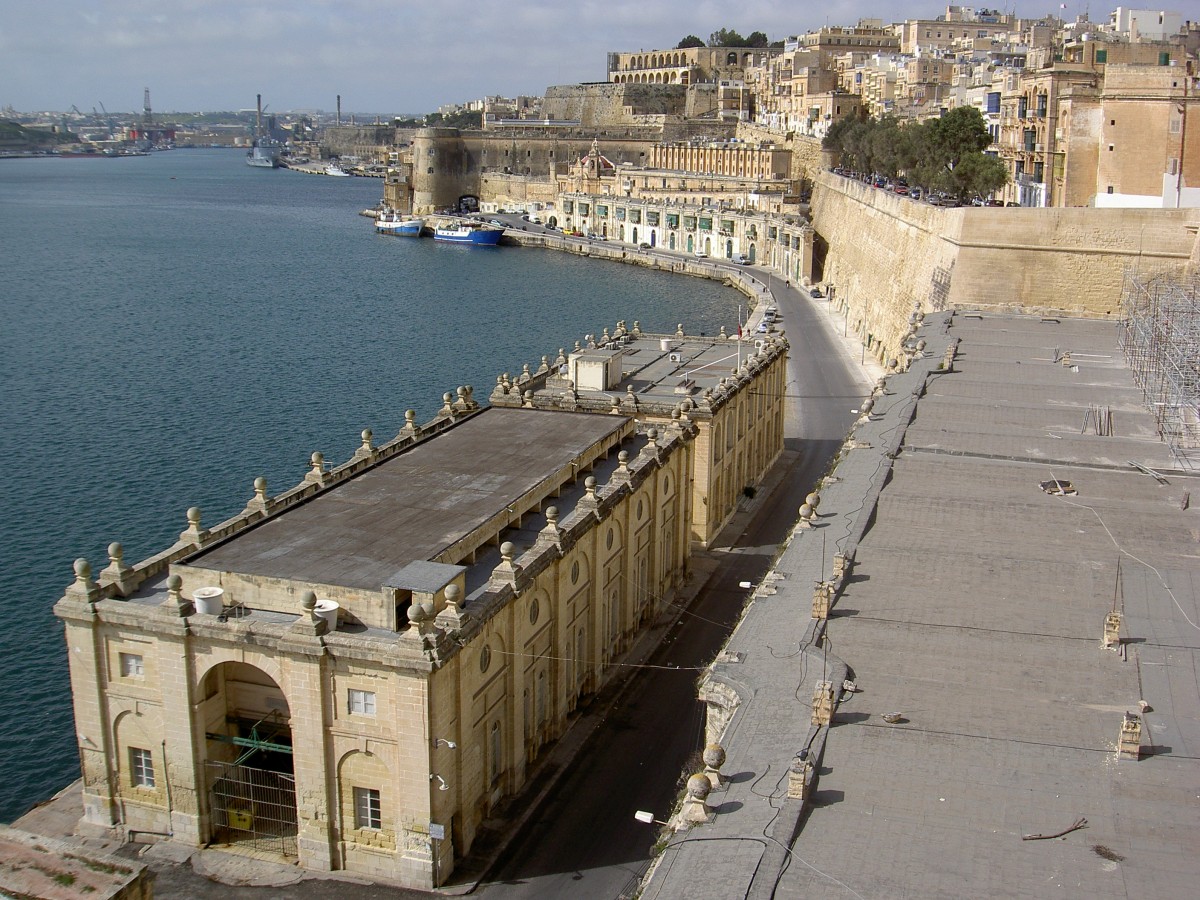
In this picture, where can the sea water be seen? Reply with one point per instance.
(178, 324)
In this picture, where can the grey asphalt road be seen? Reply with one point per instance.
(584, 841)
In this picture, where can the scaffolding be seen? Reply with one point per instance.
(1160, 337)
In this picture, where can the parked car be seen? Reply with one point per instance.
(643, 246)
(700, 254)
(740, 259)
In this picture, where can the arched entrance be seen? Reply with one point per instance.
(729, 249)
(468, 203)
(671, 241)
(249, 776)
(552, 222)
(751, 254)
(690, 244)
(634, 240)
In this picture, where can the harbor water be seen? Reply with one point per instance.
(176, 325)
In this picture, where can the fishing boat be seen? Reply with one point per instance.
(468, 233)
(389, 221)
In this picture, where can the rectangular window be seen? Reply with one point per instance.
(494, 763)
(367, 812)
(601, 209)
(361, 703)
(131, 665)
(1101, 56)
(141, 767)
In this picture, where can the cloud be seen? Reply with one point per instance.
(400, 56)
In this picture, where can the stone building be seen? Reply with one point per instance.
(686, 66)
(353, 674)
(730, 390)
(1102, 133)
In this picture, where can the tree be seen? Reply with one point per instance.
(756, 39)
(690, 41)
(726, 37)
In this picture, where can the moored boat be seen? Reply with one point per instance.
(264, 154)
(468, 233)
(336, 171)
(389, 221)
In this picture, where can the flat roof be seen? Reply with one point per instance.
(363, 532)
(974, 612)
(658, 374)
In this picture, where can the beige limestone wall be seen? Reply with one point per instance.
(886, 256)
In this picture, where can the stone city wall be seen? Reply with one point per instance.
(605, 103)
(886, 256)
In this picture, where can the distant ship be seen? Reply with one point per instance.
(336, 171)
(264, 154)
(391, 222)
(468, 233)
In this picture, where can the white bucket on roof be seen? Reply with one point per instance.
(328, 610)
(209, 600)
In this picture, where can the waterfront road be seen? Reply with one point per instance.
(582, 839)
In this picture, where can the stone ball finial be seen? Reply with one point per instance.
(623, 459)
(308, 601)
(507, 550)
(453, 594)
(652, 435)
(529, 397)
(552, 514)
(699, 787)
(806, 512)
(589, 484)
(813, 500)
(462, 392)
(410, 416)
(714, 756)
(174, 584)
(921, 345)
(447, 398)
(115, 551)
(416, 613)
(193, 516)
(260, 485)
(317, 460)
(83, 569)
(675, 413)
(366, 435)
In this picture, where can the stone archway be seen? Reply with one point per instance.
(250, 784)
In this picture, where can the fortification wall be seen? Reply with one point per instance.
(886, 256)
(1067, 261)
(606, 103)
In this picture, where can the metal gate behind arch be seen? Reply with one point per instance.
(253, 807)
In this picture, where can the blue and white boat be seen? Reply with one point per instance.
(389, 221)
(468, 233)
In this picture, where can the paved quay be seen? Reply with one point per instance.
(972, 618)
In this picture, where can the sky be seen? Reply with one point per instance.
(388, 57)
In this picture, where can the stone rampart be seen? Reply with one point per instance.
(886, 257)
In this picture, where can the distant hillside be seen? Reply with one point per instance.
(14, 136)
